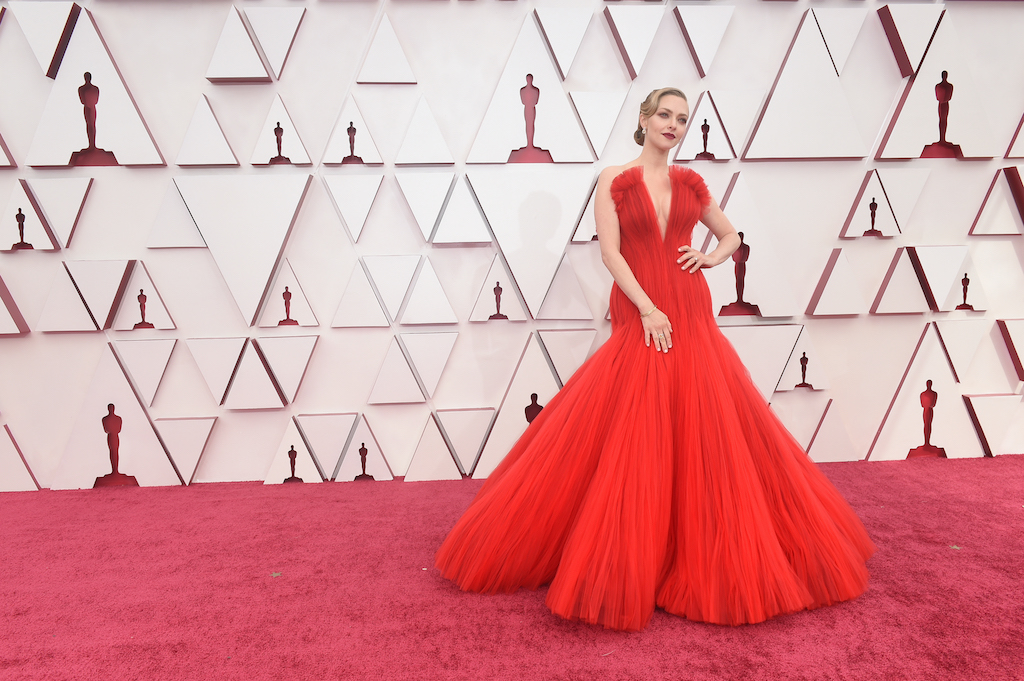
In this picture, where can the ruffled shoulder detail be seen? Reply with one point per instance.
(685, 177)
(625, 181)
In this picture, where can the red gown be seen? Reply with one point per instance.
(660, 479)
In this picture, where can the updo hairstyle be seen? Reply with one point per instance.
(650, 106)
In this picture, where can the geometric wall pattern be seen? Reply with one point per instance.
(371, 225)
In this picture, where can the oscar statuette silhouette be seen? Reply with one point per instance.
(705, 155)
(873, 207)
(803, 374)
(287, 321)
(279, 159)
(530, 95)
(292, 455)
(929, 398)
(533, 409)
(363, 451)
(740, 307)
(965, 282)
(942, 148)
(351, 158)
(92, 155)
(142, 310)
(497, 303)
(22, 245)
(112, 427)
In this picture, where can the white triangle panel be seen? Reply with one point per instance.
(15, 475)
(839, 291)
(568, 349)
(831, 441)
(533, 375)
(275, 29)
(129, 314)
(1001, 421)
(353, 195)
(395, 382)
(1016, 149)
(738, 110)
(598, 112)
(64, 309)
(943, 268)
(793, 375)
(466, 429)
(903, 428)
(586, 230)
(298, 310)
(808, 114)
(1012, 331)
(351, 141)
(565, 298)
(6, 160)
(461, 222)
(909, 28)
(43, 24)
(633, 28)
(765, 350)
(100, 282)
(251, 386)
(693, 141)
(326, 435)
(428, 303)
(903, 187)
(801, 412)
(429, 353)
(288, 357)
(245, 221)
(87, 456)
(392, 274)
(424, 143)
(174, 226)
(235, 57)
(216, 359)
(35, 232)
(564, 28)
(900, 292)
(11, 319)
(532, 211)
(962, 338)
(425, 193)
(503, 128)
(186, 440)
(999, 213)
(204, 143)
(870, 212)
(61, 201)
(432, 460)
(359, 305)
(703, 27)
(119, 127)
(292, 149)
(281, 465)
(916, 124)
(351, 464)
(385, 60)
(487, 302)
(146, 361)
(840, 27)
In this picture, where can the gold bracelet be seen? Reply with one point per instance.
(649, 313)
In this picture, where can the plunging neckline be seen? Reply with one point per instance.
(654, 207)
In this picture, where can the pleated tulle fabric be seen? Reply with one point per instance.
(660, 479)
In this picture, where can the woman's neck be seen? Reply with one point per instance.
(652, 157)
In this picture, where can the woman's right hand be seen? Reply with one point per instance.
(657, 329)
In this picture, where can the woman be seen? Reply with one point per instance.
(658, 476)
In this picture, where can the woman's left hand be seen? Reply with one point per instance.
(693, 260)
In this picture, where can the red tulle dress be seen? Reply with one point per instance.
(660, 479)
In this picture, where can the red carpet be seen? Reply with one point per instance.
(245, 581)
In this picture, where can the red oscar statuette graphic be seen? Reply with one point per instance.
(873, 207)
(533, 409)
(351, 158)
(279, 159)
(705, 155)
(928, 400)
(942, 148)
(112, 427)
(497, 303)
(22, 245)
(965, 282)
(530, 95)
(142, 310)
(363, 451)
(740, 307)
(287, 321)
(803, 374)
(292, 455)
(92, 155)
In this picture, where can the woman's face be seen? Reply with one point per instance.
(666, 126)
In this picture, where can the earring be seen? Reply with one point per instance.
(643, 131)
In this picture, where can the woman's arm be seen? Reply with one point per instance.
(655, 322)
(728, 241)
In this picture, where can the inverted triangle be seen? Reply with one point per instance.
(275, 29)
(185, 439)
(352, 196)
(235, 58)
(146, 362)
(288, 357)
(703, 28)
(359, 305)
(60, 202)
(425, 192)
(423, 143)
(428, 303)
(204, 143)
(385, 61)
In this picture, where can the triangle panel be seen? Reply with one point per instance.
(22, 227)
(174, 226)
(424, 143)
(429, 353)
(287, 304)
(498, 302)
(563, 29)
(275, 29)
(217, 359)
(568, 349)
(871, 214)
(839, 292)
(251, 386)
(902, 289)
(363, 446)
(292, 447)
(425, 193)
(102, 284)
(466, 429)
(765, 351)
(60, 201)
(703, 28)
(359, 306)
(146, 362)
(65, 310)
(279, 142)
(235, 58)
(633, 28)
(598, 112)
(353, 195)
(395, 382)
(385, 61)
(12, 322)
(392, 274)
(142, 310)
(326, 435)
(432, 459)
(693, 146)
(204, 143)
(840, 27)
(45, 25)
(1001, 211)
(351, 142)
(461, 222)
(428, 303)
(565, 298)
(15, 475)
(287, 358)
(186, 440)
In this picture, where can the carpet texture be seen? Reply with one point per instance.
(336, 581)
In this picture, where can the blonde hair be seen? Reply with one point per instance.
(650, 105)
